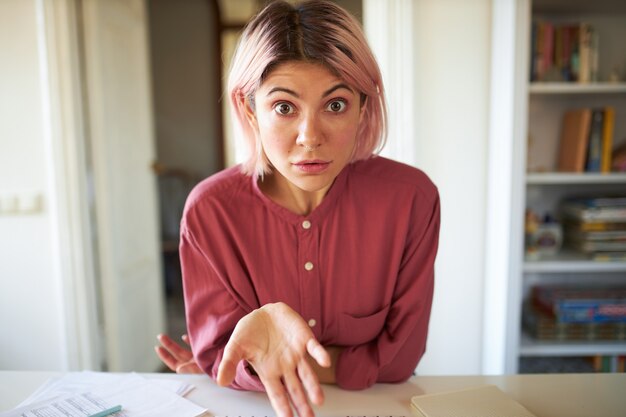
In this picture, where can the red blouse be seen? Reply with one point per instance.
(358, 269)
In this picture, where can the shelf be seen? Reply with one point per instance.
(575, 88)
(532, 347)
(610, 7)
(564, 266)
(560, 178)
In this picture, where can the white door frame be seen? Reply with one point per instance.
(506, 186)
(122, 151)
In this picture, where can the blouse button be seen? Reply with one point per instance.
(306, 224)
(308, 266)
(312, 323)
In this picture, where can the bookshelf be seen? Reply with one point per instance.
(544, 187)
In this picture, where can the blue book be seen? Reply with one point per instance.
(594, 152)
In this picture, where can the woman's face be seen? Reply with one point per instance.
(307, 119)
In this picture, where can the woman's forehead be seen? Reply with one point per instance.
(309, 74)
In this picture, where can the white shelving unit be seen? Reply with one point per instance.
(543, 188)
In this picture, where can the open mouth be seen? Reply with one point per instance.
(312, 166)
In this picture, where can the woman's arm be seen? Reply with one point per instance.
(394, 354)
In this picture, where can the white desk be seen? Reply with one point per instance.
(564, 395)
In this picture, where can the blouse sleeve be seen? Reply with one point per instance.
(211, 311)
(393, 356)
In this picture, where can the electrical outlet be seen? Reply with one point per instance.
(9, 203)
(30, 203)
(19, 203)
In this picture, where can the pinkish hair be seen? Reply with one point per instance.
(312, 31)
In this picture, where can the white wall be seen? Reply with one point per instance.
(30, 293)
(448, 91)
(452, 90)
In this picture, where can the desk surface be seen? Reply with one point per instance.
(566, 395)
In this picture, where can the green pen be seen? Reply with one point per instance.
(107, 412)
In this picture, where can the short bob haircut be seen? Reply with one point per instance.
(315, 31)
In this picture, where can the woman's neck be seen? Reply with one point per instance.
(278, 189)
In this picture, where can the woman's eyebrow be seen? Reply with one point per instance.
(293, 93)
(337, 87)
(284, 90)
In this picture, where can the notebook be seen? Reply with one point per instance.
(483, 401)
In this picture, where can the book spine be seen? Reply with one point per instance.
(607, 139)
(584, 50)
(590, 312)
(594, 57)
(548, 48)
(575, 52)
(594, 153)
(567, 53)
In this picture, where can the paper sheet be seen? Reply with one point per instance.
(138, 396)
(80, 405)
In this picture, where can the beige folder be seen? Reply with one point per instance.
(483, 401)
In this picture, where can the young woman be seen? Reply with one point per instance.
(312, 261)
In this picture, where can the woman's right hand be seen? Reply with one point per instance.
(276, 341)
(178, 358)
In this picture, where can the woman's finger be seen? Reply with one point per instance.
(190, 367)
(228, 366)
(297, 395)
(317, 352)
(278, 396)
(178, 352)
(310, 382)
(166, 357)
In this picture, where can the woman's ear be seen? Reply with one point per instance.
(364, 99)
(248, 105)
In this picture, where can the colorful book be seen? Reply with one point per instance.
(585, 53)
(574, 140)
(594, 151)
(607, 139)
(581, 304)
(601, 209)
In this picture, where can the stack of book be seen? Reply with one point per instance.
(586, 143)
(562, 53)
(576, 313)
(596, 226)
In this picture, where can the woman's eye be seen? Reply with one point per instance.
(336, 106)
(284, 108)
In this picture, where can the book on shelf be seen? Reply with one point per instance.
(594, 149)
(600, 235)
(608, 363)
(582, 304)
(545, 327)
(609, 256)
(607, 139)
(563, 52)
(595, 209)
(586, 142)
(594, 226)
(574, 140)
(588, 246)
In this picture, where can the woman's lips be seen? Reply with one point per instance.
(312, 166)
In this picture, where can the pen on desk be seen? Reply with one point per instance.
(107, 412)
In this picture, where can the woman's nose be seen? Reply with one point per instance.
(309, 132)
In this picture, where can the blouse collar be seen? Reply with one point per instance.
(329, 201)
